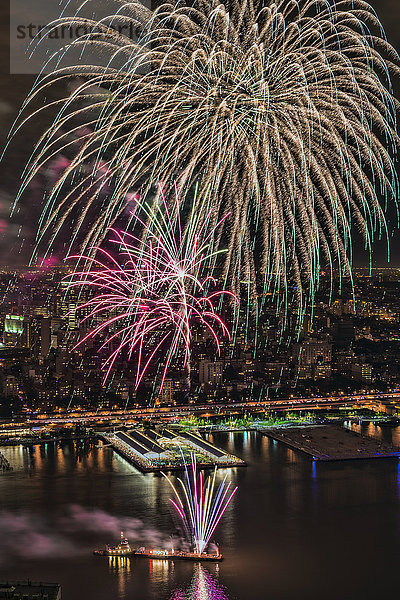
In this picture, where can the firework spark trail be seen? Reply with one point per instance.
(201, 506)
(153, 293)
(282, 111)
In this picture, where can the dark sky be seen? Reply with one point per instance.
(13, 89)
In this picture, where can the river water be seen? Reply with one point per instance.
(296, 529)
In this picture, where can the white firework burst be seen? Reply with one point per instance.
(281, 111)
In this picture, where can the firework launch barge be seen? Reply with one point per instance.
(125, 549)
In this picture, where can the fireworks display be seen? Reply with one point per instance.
(147, 299)
(282, 112)
(201, 504)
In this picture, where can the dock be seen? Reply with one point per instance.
(155, 451)
(332, 443)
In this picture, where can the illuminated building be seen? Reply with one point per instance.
(313, 352)
(322, 371)
(362, 372)
(211, 372)
(166, 395)
(13, 329)
(10, 386)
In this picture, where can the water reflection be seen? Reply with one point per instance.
(370, 429)
(159, 570)
(119, 564)
(120, 567)
(61, 456)
(203, 586)
(398, 479)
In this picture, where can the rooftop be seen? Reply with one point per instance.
(27, 590)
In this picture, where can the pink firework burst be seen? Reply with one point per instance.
(153, 289)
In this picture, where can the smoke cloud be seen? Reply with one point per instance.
(77, 531)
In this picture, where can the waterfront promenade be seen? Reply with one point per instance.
(102, 418)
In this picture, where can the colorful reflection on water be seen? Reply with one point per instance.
(203, 586)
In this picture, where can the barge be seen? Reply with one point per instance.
(177, 555)
(125, 549)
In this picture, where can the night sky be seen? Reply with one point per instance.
(16, 241)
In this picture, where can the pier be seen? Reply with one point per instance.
(332, 443)
(152, 451)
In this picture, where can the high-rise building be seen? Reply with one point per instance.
(211, 372)
(362, 372)
(10, 386)
(13, 329)
(344, 331)
(312, 352)
(166, 394)
(45, 336)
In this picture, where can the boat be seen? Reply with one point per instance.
(121, 549)
(124, 549)
(177, 555)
